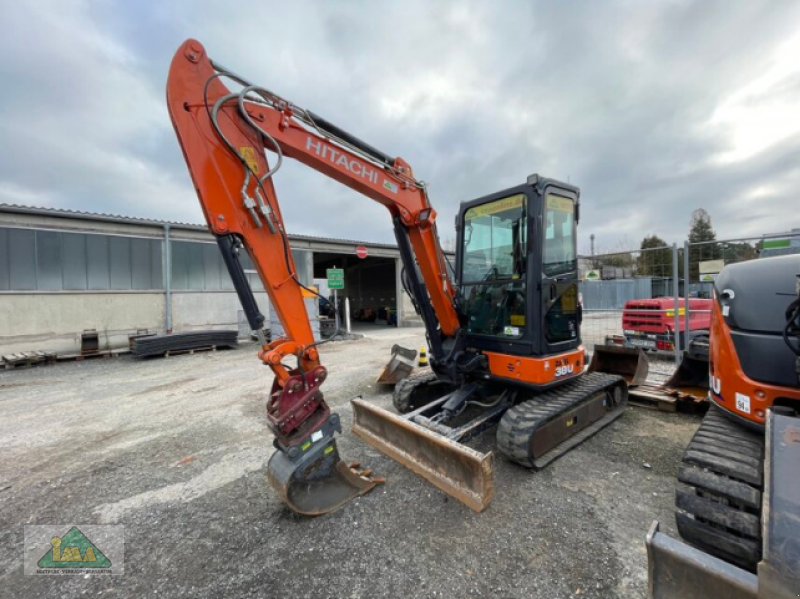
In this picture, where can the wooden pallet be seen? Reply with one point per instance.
(664, 399)
(27, 359)
(103, 353)
(179, 352)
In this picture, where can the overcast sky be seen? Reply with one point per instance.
(652, 108)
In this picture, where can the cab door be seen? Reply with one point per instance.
(494, 279)
(559, 270)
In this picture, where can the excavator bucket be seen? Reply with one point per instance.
(458, 470)
(628, 362)
(399, 367)
(318, 481)
(691, 376)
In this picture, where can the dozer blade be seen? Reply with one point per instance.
(318, 481)
(691, 376)
(399, 367)
(628, 362)
(458, 470)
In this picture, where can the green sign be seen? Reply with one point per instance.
(592, 275)
(335, 278)
(771, 244)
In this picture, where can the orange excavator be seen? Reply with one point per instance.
(505, 345)
(738, 499)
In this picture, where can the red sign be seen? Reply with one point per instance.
(361, 252)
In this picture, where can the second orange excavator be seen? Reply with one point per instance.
(504, 335)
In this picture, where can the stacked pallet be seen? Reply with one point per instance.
(26, 359)
(165, 345)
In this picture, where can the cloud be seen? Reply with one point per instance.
(653, 109)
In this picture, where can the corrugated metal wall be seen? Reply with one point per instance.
(612, 295)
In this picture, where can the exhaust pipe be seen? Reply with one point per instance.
(460, 471)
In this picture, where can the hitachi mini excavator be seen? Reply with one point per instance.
(738, 503)
(505, 344)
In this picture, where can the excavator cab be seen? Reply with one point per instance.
(517, 270)
(518, 361)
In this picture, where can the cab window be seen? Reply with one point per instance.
(493, 287)
(559, 236)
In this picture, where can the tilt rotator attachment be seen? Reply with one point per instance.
(429, 443)
(305, 469)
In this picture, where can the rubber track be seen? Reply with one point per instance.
(519, 424)
(719, 509)
(401, 398)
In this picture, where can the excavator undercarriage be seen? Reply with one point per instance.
(532, 429)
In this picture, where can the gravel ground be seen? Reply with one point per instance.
(109, 441)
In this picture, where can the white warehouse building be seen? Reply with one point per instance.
(64, 272)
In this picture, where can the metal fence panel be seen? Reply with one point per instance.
(703, 260)
(642, 279)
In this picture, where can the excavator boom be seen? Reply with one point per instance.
(224, 135)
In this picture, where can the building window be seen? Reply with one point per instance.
(38, 260)
(198, 267)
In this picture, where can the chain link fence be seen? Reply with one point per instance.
(660, 298)
(629, 299)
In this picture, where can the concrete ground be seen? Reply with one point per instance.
(175, 449)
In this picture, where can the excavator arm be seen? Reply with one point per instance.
(224, 135)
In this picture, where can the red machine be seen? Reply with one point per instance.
(650, 323)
